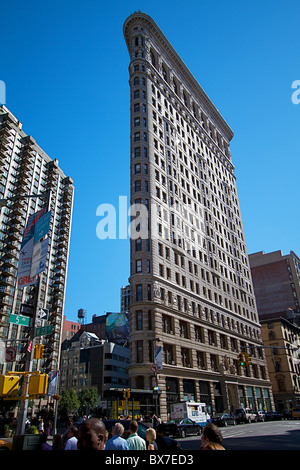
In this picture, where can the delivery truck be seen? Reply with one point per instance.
(188, 409)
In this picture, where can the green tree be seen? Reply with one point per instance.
(88, 398)
(68, 403)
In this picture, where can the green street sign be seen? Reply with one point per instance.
(19, 319)
(43, 330)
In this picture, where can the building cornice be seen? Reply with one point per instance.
(139, 16)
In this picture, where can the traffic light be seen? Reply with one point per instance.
(241, 359)
(9, 385)
(38, 384)
(247, 359)
(124, 393)
(39, 351)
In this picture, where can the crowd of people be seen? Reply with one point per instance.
(92, 435)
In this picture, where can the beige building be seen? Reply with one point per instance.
(282, 338)
(192, 296)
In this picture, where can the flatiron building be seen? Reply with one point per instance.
(192, 307)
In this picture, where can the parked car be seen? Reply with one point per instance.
(296, 413)
(182, 428)
(273, 416)
(244, 415)
(223, 419)
(260, 415)
(287, 414)
(5, 443)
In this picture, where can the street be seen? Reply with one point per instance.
(274, 435)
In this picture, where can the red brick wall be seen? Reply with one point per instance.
(272, 288)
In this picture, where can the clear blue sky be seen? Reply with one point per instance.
(65, 66)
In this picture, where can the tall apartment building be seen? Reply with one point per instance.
(276, 281)
(190, 281)
(27, 170)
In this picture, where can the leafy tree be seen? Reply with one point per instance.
(68, 403)
(88, 398)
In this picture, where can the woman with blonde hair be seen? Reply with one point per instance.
(151, 436)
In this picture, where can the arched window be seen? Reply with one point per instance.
(175, 86)
(185, 99)
(152, 56)
(164, 72)
(194, 111)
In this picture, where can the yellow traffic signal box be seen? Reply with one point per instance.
(9, 385)
(38, 384)
(39, 351)
(241, 359)
(247, 359)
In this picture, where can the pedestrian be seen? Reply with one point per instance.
(44, 444)
(134, 441)
(57, 442)
(72, 434)
(49, 428)
(154, 421)
(91, 435)
(211, 438)
(160, 440)
(151, 436)
(41, 426)
(116, 442)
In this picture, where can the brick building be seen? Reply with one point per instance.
(276, 282)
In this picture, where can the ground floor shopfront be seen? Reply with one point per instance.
(218, 393)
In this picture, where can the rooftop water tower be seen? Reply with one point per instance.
(81, 316)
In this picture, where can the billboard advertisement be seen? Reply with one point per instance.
(33, 252)
(24, 269)
(117, 327)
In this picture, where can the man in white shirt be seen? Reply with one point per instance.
(72, 438)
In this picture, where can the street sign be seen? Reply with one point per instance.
(26, 309)
(10, 354)
(19, 319)
(154, 368)
(43, 314)
(43, 330)
(42, 227)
